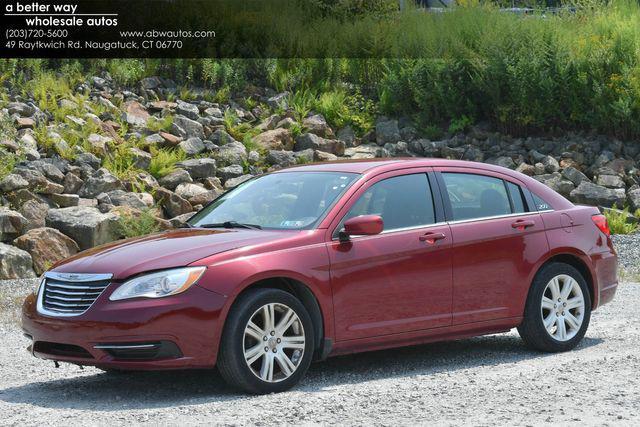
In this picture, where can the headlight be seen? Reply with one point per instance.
(158, 285)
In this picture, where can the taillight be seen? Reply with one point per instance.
(601, 222)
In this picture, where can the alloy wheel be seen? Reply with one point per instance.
(562, 307)
(274, 342)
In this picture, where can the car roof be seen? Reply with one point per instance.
(361, 166)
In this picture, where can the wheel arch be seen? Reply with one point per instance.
(305, 295)
(579, 264)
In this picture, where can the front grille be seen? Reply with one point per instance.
(69, 297)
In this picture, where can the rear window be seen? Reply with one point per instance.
(476, 196)
(541, 204)
(517, 199)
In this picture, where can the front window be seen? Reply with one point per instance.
(285, 201)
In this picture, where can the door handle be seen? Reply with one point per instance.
(431, 238)
(522, 224)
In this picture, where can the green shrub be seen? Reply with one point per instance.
(619, 221)
(163, 161)
(7, 162)
(136, 224)
(155, 124)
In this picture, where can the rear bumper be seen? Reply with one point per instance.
(606, 272)
(168, 333)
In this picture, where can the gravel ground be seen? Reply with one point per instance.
(628, 248)
(481, 381)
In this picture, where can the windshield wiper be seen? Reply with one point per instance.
(231, 224)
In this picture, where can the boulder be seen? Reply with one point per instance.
(192, 146)
(169, 139)
(280, 100)
(205, 198)
(229, 172)
(50, 171)
(173, 204)
(88, 159)
(633, 199)
(314, 142)
(593, 194)
(13, 182)
(72, 183)
(101, 182)
(557, 183)
(504, 161)
(231, 153)
(348, 135)
(35, 212)
(387, 132)
(184, 127)
(180, 220)
(141, 159)
(175, 178)
(281, 158)
(367, 151)
(188, 110)
(234, 182)
(135, 114)
(46, 247)
(277, 139)
(318, 125)
(65, 200)
(199, 168)
(321, 156)
(139, 201)
(15, 263)
(86, 225)
(610, 181)
(12, 224)
(188, 191)
(574, 175)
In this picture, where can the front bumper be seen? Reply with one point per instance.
(185, 330)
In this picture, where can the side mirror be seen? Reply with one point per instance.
(364, 225)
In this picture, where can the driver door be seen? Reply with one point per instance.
(400, 280)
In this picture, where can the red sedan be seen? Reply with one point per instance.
(327, 259)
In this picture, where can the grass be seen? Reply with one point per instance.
(138, 223)
(7, 162)
(619, 221)
(163, 161)
(156, 124)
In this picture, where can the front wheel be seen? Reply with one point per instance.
(558, 309)
(267, 343)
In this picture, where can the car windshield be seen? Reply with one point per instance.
(285, 201)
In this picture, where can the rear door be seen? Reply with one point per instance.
(497, 240)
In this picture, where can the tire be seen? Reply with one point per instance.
(240, 343)
(547, 303)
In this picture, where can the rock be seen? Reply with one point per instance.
(35, 213)
(65, 200)
(173, 204)
(139, 201)
(234, 182)
(281, 158)
(21, 109)
(212, 183)
(314, 142)
(633, 199)
(387, 132)
(72, 183)
(318, 125)
(25, 123)
(86, 225)
(180, 220)
(135, 114)
(50, 171)
(367, 151)
(231, 153)
(12, 224)
(15, 263)
(610, 181)
(188, 110)
(347, 135)
(199, 168)
(192, 146)
(574, 175)
(286, 123)
(13, 182)
(187, 128)
(229, 172)
(35, 178)
(556, 182)
(141, 159)
(188, 191)
(321, 156)
(175, 178)
(88, 159)
(526, 169)
(205, 198)
(101, 182)
(504, 161)
(280, 100)
(277, 139)
(214, 112)
(169, 139)
(593, 194)
(46, 246)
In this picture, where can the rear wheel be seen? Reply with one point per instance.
(558, 309)
(267, 343)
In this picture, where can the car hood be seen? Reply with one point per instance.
(170, 249)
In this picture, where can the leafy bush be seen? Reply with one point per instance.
(7, 162)
(619, 221)
(163, 161)
(137, 223)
